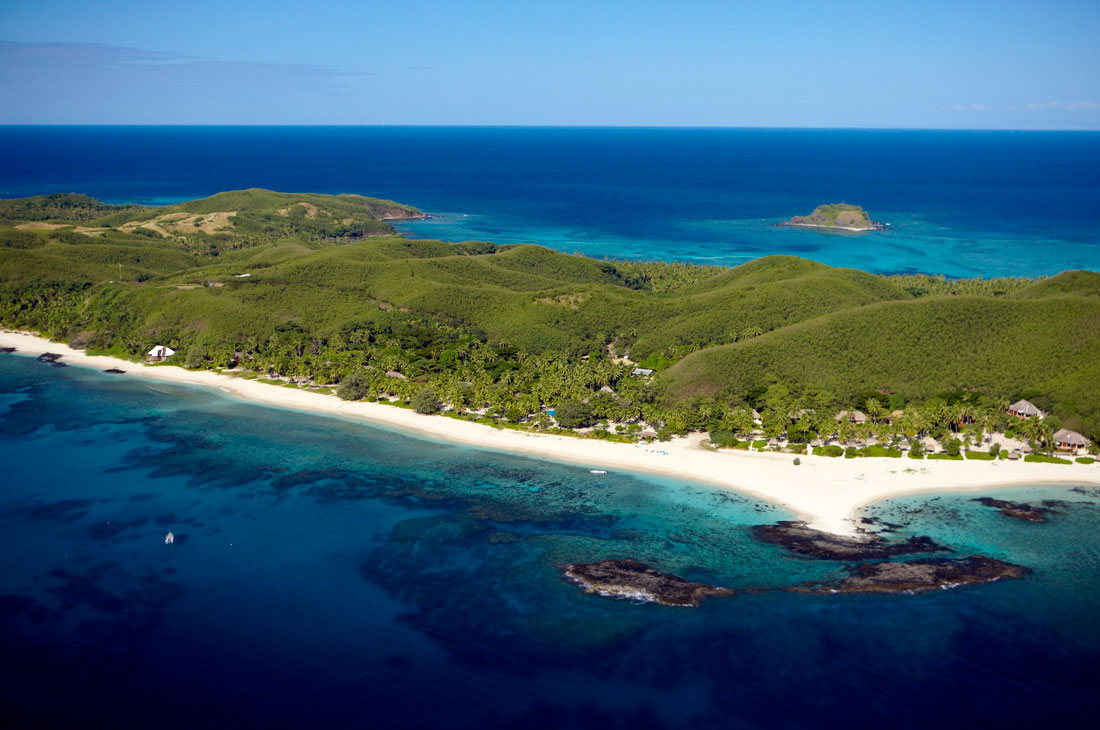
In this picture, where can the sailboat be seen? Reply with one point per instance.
(169, 539)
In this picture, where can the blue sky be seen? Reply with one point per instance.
(984, 65)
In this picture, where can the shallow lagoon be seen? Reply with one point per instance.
(328, 572)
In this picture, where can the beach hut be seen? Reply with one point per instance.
(1013, 456)
(773, 443)
(648, 434)
(853, 416)
(816, 443)
(756, 415)
(160, 352)
(395, 374)
(1024, 409)
(1067, 440)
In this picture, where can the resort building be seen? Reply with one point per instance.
(853, 416)
(160, 352)
(645, 372)
(1066, 440)
(1024, 409)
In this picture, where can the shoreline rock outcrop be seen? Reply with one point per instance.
(800, 538)
(919, 576)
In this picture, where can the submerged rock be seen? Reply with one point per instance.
(115, 371)
(1018, 510)
(797, 536)
(633, 580)
(919, 576)
(7, 349)
(51, 357)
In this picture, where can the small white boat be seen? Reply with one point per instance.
(597, 471)
(169, 539)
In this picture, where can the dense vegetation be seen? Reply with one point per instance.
(318, 289)
(835, 215)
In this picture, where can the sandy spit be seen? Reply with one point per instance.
(828, 493)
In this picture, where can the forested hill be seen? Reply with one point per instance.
(318, 288)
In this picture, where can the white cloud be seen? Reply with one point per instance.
(1065, 106)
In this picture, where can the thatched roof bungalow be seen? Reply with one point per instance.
(1024, 409)
(1067, 440)
(853, 416)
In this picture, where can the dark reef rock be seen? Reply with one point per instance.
(51, 357)
(7, 349)
(920, 576)
(630, 579)
(1018, 510)
(115, 371)
(798, 537)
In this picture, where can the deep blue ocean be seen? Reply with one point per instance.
(959, 203)
(332, 574)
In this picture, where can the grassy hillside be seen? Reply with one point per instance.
(317, 286)
(1022, 344)
(214, 225)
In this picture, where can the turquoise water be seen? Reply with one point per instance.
(327, 572)
(914, 243)
(959, 203)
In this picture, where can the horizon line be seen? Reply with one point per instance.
(560, 126)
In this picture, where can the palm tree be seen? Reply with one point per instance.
(845, 430)
(743, 422)
(874, 409)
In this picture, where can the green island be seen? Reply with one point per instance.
(319, 292)
(841, 216)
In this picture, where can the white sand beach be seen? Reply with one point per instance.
(825, 492)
